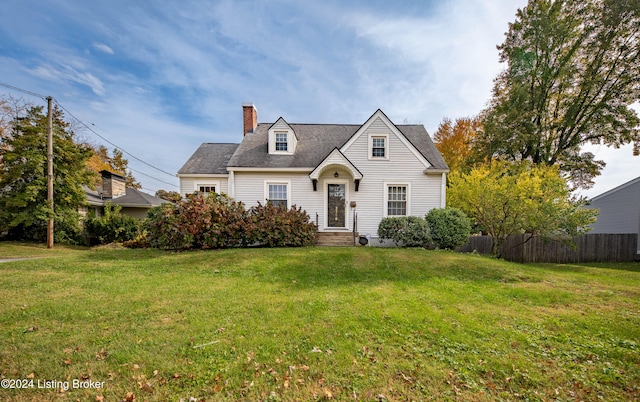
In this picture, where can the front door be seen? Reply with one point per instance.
(336, 206)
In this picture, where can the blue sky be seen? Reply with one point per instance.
(158, 78)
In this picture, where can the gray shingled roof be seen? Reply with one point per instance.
(209, 158)
(132, 198)
(315, 142)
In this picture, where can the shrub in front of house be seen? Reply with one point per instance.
(406, 231)
(216, 221)
(450, 227)
(112, 226)
(276, 226)
(198, 222)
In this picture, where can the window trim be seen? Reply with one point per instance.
(267, 183)
(386, 147)
(204, 183)
(291, 141)
(285, 142)
(385, 205)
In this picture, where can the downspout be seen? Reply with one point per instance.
(232, 184)
(443, 191)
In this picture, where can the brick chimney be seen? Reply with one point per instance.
(250, 117)
(113, 185)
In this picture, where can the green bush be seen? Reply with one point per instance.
(450, 227)
(273, 226)
(406, 231)
(112, 226)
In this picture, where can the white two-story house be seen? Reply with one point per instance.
(341, 174)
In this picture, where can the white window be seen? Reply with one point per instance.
(278, 194)
(281, 141)
(206, 187)
(396, 200)
(379, 146)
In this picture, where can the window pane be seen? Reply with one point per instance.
(377, 147)
(281, 141)
(397, 200)
(207, 189)
(278, 195)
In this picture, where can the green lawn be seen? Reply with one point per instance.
(315, 323)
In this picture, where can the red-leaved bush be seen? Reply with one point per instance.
(216, 221)
(273, 226)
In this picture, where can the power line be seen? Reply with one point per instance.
(154, 178)
(24, 91)
(111, 143)
(94, 132)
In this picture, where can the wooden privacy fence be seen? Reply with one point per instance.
(589, 248)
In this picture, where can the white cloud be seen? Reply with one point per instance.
(66, 74)
(103, 48)
(451, 52)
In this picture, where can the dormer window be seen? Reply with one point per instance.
(281, 141)
(282, 138)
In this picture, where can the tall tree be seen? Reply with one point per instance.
(116, 163)
(573, 71)
(456, 141)
(24, 211)
(508, 198)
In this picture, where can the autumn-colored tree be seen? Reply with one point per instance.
(456, 141)
(10, 109)
(508, 198)
(116, 163)
(172, 196)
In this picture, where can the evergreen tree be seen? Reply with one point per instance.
(24, 211)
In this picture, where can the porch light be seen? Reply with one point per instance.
(336, 174)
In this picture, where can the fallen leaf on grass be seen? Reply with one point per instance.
(31, 375)
(101, 355)
(145, 386)
(130, 397)
(67, 361)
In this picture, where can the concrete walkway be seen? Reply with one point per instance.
(18, 259)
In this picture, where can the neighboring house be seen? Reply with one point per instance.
(133, 202)
(619, 210)
(333, 171)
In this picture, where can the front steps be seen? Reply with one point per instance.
(335, 239)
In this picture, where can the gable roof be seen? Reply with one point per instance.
(616, 189)
(317, 141)
(209, 158)
(132, 199)
(336, 157)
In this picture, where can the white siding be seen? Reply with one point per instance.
(249, 188)
(188, 184)
(402, 167)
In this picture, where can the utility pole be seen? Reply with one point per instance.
(50, 173)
